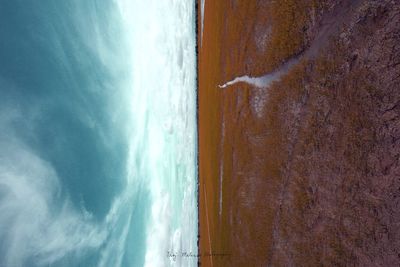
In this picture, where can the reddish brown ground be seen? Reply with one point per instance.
(214, 66)
(311, 165)
(226, 122)
(209, 128)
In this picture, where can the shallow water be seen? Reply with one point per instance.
(97, 133)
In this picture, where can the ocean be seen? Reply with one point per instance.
(98, 137)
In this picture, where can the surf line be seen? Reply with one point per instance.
(202, 20)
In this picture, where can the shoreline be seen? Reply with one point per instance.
(197, 130)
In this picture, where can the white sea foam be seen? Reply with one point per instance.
(37, 222)
(40, 224)
(163, 96)
(29, 189)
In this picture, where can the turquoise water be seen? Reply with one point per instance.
(97, 133)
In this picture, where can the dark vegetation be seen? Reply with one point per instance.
(335, 132)
(290, 22)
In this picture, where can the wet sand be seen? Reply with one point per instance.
(209, 125)
(227, 200)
